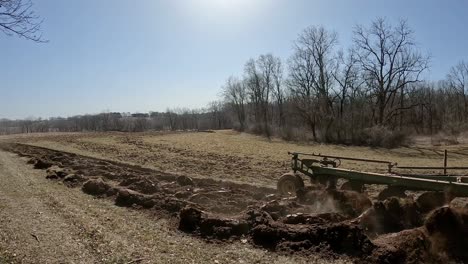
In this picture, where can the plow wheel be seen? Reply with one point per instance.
(289, 183)
(356, 186)
(392, 191)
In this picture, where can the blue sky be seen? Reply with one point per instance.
(123, 55)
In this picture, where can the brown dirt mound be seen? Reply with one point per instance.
(263, 230)
(51, 176)
(129, 180)
(292, 212)
(448, 230)
(184, 180)
(280, 208)
(57, 171)
(442, 239)
(308, 219)
(130, 198)
(429, 201)
(391, 191)
(350, 202)
(73, 180)
(96, 187)
(341, 238)
(392, 215)
(127, 197)
(142, 185)
(408, 246)
(226, 201)
(42, 164)
(195, 220)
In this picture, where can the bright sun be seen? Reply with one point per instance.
(218, 12)
(225, 5)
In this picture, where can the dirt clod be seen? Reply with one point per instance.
(408, 246)
(184, 180)
(95, 187)
(318, 219)
(391, 191)
(145, 186)
(194, 220)
(189, 219)
(41, 164)
(339, 238)
(391, 215)
(127, 197)
(72, 178)
(51, 176)
(448, 230)
(55, 172)
(428, 201)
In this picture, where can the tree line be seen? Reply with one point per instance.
(213, 117)
(369, 93)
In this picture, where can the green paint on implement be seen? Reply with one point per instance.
(327, 167)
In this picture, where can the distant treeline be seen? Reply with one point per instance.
(178, 119)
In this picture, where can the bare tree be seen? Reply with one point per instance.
(389, 61)
(140, 124)
(348, 82)
(235, 94)
(259, 83)
(18, 18)
(265, 64)
(217, 113)
(311, 76)
(300, 83)
(278, 92)
(458, 80)
(253, 82)
(171, 119)
(347, 78)
(195, 118)
(270, 68)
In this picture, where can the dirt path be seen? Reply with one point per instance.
(46, 222)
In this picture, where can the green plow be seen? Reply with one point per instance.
(325, 169)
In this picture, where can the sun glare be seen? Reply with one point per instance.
(224, 4)
(225, 7)
(221, 12)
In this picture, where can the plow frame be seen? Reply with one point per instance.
(325, 169)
